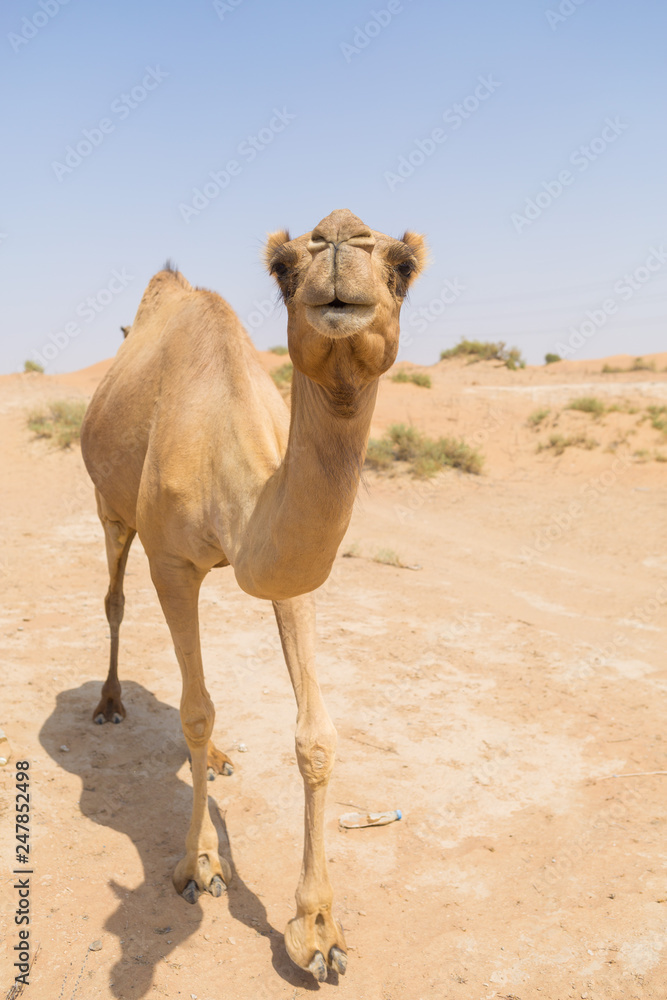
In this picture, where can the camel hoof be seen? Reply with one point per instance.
(191, 893)
(217, 886)
(99, 719)
(227, 768)
(318, 967)
(116, 718)
(338, 960)
(210, 773)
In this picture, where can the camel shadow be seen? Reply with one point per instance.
(130, 786)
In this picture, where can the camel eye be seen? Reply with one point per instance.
(405, 269)
(280, 270)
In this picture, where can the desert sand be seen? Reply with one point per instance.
(508, 695)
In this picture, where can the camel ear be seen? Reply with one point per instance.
(419, 250)
(274, 242)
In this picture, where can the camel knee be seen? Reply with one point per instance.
(315, 754)
(114, 605)
(197, 722)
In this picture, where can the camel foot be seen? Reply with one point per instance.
(217, 762)
(110, 709)
(205, 873)
(191, 892)
(309, 938)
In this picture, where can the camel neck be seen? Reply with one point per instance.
(304, 509)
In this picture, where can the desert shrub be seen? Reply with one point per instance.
(33, 366)
(587, 404)
(486, 350)
(60, 422)
(388, 558)
(550, 359)
(658, 416)
(639, 365)
(612, 369)
(282, 375)
(415, 377)
(557, 443)
(379, 454)
(537, 416)
(279, 349)
(424, 455)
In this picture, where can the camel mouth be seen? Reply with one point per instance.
(340, 319)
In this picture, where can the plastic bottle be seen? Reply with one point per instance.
(352, 821)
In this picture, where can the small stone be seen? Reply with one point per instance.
(242, 748)
(95, 946)
(231, 940)
(64, 748)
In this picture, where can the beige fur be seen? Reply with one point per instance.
(190, 445)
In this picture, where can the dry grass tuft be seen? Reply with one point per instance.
(424, 456)
(60, 422)
(486, 350)
(557, 443)
(415, 377)
(587, 404)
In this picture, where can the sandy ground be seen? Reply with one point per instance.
(497, 695)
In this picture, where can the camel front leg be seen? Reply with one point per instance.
(314, 938)
(201, 870)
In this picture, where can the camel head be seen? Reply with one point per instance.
(343, 285)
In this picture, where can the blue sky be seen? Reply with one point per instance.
(526, 140)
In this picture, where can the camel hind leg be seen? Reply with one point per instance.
(118, 537)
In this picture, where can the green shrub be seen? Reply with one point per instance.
(536, 418)
(587, 404)
(33, 366)
(557, 443)
(658, 415)
(415, 377)
(60, 422)
(379, 454)
(282, 375)
(279, 349)
(639, 365)
(551, 359)
(485, 350)
(424, 455)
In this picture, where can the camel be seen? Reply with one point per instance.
(190, 445)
